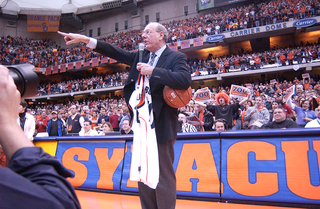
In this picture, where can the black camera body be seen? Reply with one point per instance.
(25, 78)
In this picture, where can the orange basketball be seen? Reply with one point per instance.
(177, 98)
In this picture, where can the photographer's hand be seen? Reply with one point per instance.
(12, 137)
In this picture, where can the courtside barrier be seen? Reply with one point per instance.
(264, 165)
(271, 165)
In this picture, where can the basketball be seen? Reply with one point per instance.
(177, 98)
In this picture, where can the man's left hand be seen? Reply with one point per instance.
(144, 68)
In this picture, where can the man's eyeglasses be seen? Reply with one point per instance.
(146, 32)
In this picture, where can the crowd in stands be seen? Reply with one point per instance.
(44, 53)
(252, 61)
(302, 108)
(242, 17)
(40, 53)
(84, 84)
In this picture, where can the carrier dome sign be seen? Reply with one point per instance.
(305, 22)
(215, 38)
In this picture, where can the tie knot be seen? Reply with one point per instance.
(153, 55)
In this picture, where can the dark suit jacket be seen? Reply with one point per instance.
(171, 70)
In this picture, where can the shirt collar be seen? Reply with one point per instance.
(159, 52)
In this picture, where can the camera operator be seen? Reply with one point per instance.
(33, 179)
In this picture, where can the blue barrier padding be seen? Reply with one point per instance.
(275, 139)
(194, 181)
(93, 171)
(126, 170)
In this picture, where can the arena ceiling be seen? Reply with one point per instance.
(54, 6)
(72, 12)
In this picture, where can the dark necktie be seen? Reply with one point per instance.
(151, 61)
(152, 58)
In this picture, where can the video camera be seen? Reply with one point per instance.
(26, 80)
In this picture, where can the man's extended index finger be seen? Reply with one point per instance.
(62, 33)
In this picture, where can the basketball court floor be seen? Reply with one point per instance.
(99, 200)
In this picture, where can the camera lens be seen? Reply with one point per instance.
(26, 80)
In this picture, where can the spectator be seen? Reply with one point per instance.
(285, 106)
(316, 122)
(280, 121)
(126, 129)
(247, 104)
(63, 117)
(94, 119)
(220, 125)
(104, 116)
(282, 59)
(87, 131)
(205, 117)
(257, 115)
(106, 128)
(55, 126)
(257, 62)
(290, 57)
(274, 105)
(26, 120)
(306, 84)
(185, 126)
(299, 90)
(41, 123)
(124, 115)
(86, 113)
(304, 114)
(114, 119)
(75, 120)
(224, 109)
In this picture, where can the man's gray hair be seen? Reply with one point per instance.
(161, 28)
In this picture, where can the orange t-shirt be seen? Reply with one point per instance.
(257, 60)
(306, 86)
(290, 56)
(201, 116)
(282, 58)
(94, 122)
